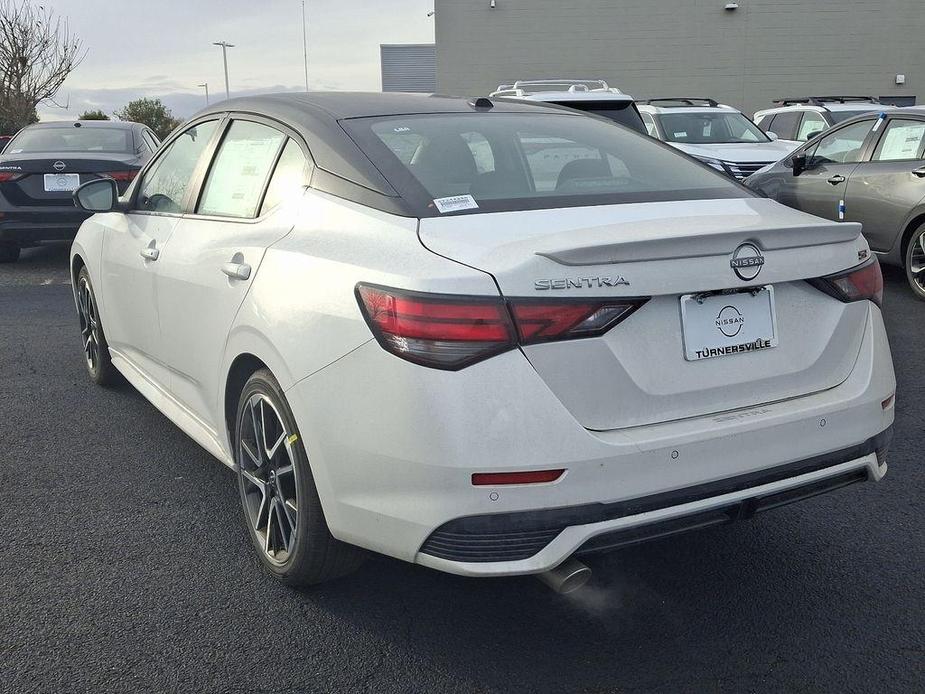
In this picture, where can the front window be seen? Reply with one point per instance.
(72, 139)
(166, 184)
(710, 128)
(841, 147)
(510, 161)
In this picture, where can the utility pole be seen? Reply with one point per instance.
(305, 44)
(225, 46)
(206, 85)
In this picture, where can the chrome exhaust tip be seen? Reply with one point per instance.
(566, 578)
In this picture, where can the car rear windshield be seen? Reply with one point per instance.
(710, 128)
(518, 161)
(624, 113)
(71, 139)
(841, 116)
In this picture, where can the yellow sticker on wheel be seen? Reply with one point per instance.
(292, 439)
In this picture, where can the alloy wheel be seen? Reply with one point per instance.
(89, 324)
(268, 476)
(917, 262)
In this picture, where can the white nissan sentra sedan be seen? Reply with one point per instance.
(484, 337)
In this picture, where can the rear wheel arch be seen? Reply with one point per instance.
(911, 228)
(241, 369)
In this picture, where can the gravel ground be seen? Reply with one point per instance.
(126, 566)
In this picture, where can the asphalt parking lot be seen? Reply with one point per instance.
(125, 566)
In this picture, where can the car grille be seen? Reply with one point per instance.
(742, 170)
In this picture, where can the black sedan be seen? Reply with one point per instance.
(44, 163)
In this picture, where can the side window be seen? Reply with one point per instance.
(843, 146)
(649, 122)
(166, 184)
(903, 140)
(288, 179)
(785, 124)
(240, 170)
(812, 125)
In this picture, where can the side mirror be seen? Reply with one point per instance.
(772, 136)
(798, 163)
(813, 134)
(100, 195)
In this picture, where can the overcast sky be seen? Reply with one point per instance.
(164, 48)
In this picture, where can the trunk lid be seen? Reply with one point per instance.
(637, 373)
(28, 188)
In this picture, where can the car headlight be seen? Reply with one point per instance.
(715, 163)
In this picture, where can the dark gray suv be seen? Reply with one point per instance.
(870, 169)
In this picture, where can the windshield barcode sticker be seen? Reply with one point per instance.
(456, 203)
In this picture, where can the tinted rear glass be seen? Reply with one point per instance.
(622, 113)
(71, 139)
(842, 116)
(513, 161)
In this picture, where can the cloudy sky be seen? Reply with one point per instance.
(163, 48)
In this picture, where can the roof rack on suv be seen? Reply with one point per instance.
(822, 100)
(682, 101)
(525, 87)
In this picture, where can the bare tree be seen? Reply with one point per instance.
(37, 53)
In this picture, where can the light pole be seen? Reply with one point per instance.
(225, 46)
(305, 44)
(206, 85)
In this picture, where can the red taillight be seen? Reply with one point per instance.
(121, 176)
(8, 176)
(864, 282)
(450, 332)
(446, 332)
(494, 479)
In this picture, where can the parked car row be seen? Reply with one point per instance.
(483, 335)
(865, 161)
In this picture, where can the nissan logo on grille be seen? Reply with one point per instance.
(747, 262)
(59, 166)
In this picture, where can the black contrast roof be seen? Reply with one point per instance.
(316, 115)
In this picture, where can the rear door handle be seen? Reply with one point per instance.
(836, 179)
(237, 271)
(150, 253)
(920, 172)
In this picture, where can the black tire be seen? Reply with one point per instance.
(311, 554)
(9, 252)
(96, 349)
(914, 262)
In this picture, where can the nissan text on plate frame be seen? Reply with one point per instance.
(596, 341)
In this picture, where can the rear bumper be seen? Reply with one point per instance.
(393, 447)
(29, 226)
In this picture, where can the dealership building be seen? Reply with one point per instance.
(744, 53)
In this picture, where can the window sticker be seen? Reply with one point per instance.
(456, 203)
(683, 133)
(902, 142)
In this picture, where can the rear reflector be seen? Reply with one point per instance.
(494, 479)
(864, 282)
(121, 176)
(450, 332)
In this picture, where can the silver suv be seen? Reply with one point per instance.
(718, 135)
(800, 119)
(592, 96)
